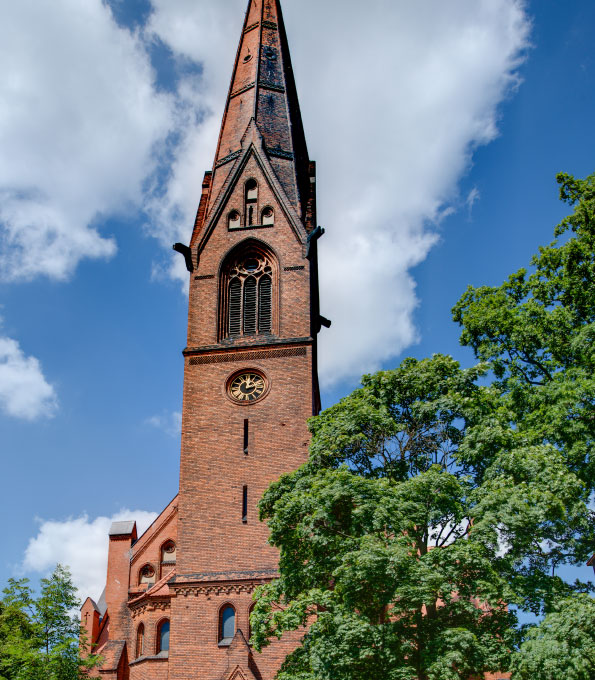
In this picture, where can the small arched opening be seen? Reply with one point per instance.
(251, 196)
(146, 575)
(162, 637)
(168, 557)
(227, 625)
(140, 640)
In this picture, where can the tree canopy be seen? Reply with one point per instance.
(563, 646)
(434, 495)
(40, 634)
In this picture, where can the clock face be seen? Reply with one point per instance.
(247, 387)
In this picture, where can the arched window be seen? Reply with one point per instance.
(140, 640)
(168, 557)
(251, 202)
(163, 637)
(147, 575)
(248, 292)
(227, 625)
(268, 216)
(235, 221)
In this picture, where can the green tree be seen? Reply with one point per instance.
(40, 635)
(562, 647)
(18, 634)
(432, 497)
(537, 331)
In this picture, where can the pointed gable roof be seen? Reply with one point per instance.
(252, 145)
(263, 89)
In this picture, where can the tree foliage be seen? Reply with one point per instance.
(537, 330)
(562, 647)
(40, 635)
(434, 495)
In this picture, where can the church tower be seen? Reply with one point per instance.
(250, 364)
(178, 599)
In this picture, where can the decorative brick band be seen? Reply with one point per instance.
(294, 269)
(161, 605)
(219, 589)
(242, 89)
(269, 24)
(204, 278)
(271, 86)
(248, 356)
(279, 153)
(251, 27)
(227, 159)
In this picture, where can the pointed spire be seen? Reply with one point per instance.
(263, 89)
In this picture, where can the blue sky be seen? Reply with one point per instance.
(438, 133)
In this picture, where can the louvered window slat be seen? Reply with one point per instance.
(235, 308)
(250, 306)
(265, 300)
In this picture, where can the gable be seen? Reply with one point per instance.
(252, 152)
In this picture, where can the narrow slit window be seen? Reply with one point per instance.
(251, 201)
(245, 505)
(140, 641)
(246, 436)
(265, 305)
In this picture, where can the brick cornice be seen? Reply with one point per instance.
(139, 608)
(226, 349)
(220, 583)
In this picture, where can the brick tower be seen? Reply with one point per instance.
(178, 599)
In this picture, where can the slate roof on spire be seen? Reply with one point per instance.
(263, 88)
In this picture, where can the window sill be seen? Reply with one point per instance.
(251, 227)
(162, 656)
(226, 642)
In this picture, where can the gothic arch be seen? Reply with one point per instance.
(249, 292)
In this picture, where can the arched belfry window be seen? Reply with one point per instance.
(251, 202)
(248, 290)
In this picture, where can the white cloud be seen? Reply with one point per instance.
(24, 391)
(170, 423)
(79, 120)
(395, 100)
(82, 545)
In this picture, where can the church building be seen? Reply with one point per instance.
(178, 598)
